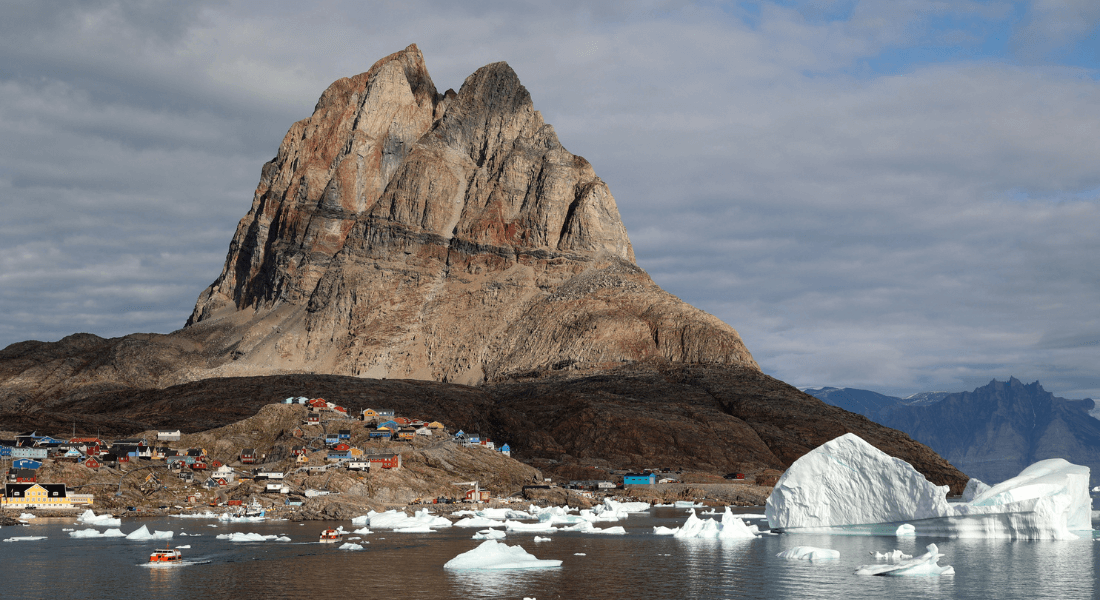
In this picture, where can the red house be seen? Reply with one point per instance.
(342, 447)
(198, 465)
(91, 463)
(385, 461)
(248, 456)
(299, 450)
(401, 421)
(313, 419)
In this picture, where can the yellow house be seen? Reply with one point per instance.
(42, 495)
(370, 414)
(435, 425)
(356, 452)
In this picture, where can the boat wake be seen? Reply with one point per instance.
(171, 565)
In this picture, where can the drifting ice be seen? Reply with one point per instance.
(809, 553)
(92, 533)
(25, 516)
(237, 536)
(905, 530)
(892, 557)
(142, 533)
(350, 546)
(924, 564)
(394, 519)
(490, 534)
(30, 538)
(730, 527)
(495, 555)
(847, 483)
(91, 518)
(477, 522)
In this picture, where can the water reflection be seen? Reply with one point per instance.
(502, 584)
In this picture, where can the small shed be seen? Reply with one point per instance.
(248, 456)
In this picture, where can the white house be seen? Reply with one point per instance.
(168, 436)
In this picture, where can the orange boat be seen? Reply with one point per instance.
(331, 536)
(168, 555)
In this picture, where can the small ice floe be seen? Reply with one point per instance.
(142, 534)
(586, 527)
(93, 533)
(516, 526)
(350, 546)
(203, 515)
(25, 538)
(68, 529)
(924, 564)
(490, 534)
(184, 547)
(395, 519)
(906, 530)
(89, 517)
(730, 527)
(237, 536)
(892, 557)
(354, 538)
(216, 525)
(541, 539)
(660, 530)
(363, 531)
(417, 529)
(809, 553)
(25, 516)
(476, 522)
(579, 554)
(494, 555)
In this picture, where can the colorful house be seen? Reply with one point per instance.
(385, 461)
(248, 456)
(41, 495)
(639, 479)
(506, 450)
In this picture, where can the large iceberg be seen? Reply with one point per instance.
(395, 519)
(492, 554)
(848, 484)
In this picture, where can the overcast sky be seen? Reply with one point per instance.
(898, 195)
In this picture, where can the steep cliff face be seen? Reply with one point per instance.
(401, 232)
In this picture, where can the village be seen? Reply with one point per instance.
(302, 459)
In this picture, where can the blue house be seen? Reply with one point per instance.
(5, 450)
(26, 463)
(506, 450)
(391, 424)
(639, 479)
(384, 434)
(345, 434)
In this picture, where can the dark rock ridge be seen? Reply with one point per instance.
(702, 417)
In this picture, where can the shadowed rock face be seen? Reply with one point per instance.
(405, 233)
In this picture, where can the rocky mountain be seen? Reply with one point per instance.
(448, 238)
(862, 402)
(400, 232)
(995, 431)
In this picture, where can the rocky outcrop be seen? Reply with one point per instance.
(401, 232)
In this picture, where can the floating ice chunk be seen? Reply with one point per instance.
(237, 536)
(905, 530)
(363, 531)
(25, 516)
(492, 554)
(925, 564)
(93, 533)
(659, 530)
(579, 554)
(490, 534)
(68, 529)
(202, 515)
(416, 529)
(847, 481)
(394, 519)
(973, 488)
(892, 557)
(809, 553)
(541, 539)
(1054, 479)
(25, 538)
(142, 534)
(350, 546)
(528, 527)
(89, 517)
(477, 522)
(730, 527)
(617, 530)
(187, 547)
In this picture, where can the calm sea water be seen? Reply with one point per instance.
(636, 565)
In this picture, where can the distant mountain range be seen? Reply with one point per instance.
(991, 433)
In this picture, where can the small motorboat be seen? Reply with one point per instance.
(167, 555)
(331, 536)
